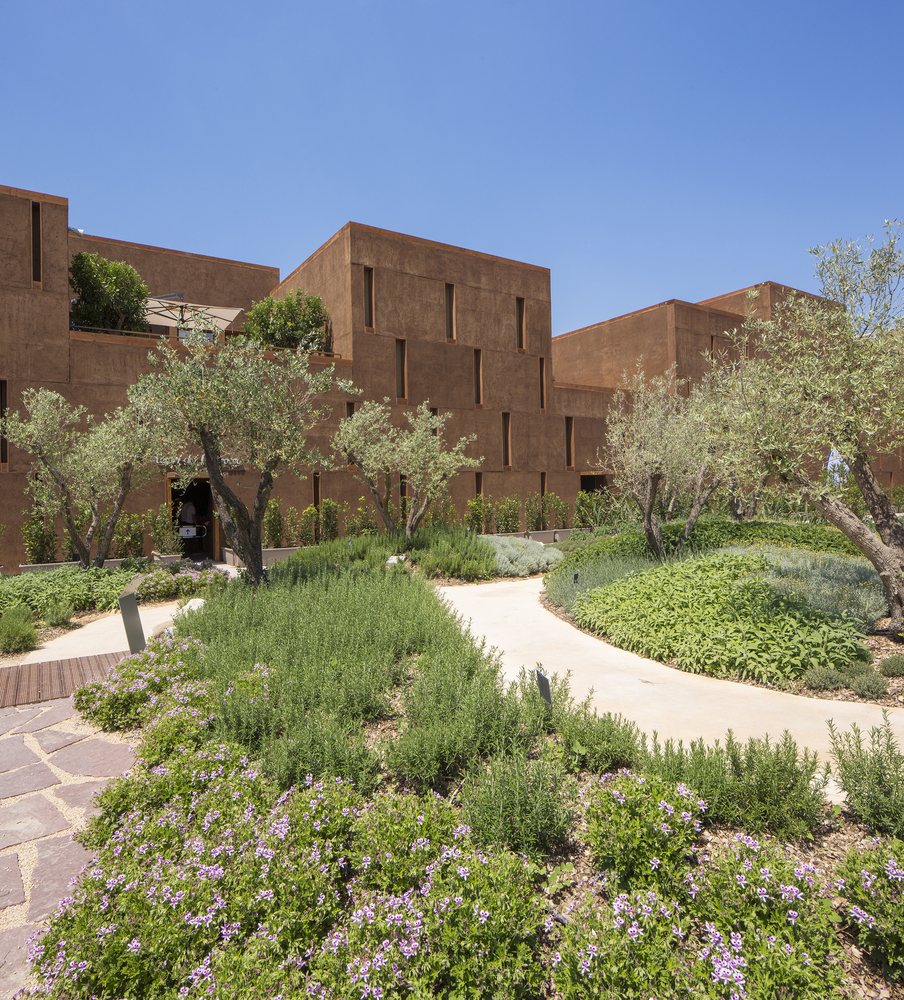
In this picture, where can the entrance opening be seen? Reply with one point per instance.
(193, 513)
(593, 481)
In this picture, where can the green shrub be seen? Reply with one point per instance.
(329, 520)
(892, 666)
(128, 536)
(872, 881)
(508, 514)
(363, 521)
(872, 777)
(712, 535)
(17, 630)
(869, 685)
(534, 513)
(825, 679)
(164, 533)
(309, 525)
(598, 743)
(479, 516)
(273, 526)
(711, 615)
(761, 786)
(57, 613)
(517, 803)
(562, 587)
(39, 536)
(644, 830)
(84, 589)
(453, 553)
(555, 511)
(521, 557)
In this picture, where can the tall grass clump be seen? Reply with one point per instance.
(713, 615)
(763, 786)
(871, 774)
(522, 557)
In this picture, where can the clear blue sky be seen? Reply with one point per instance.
(640, 150)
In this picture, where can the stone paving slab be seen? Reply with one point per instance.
(13, 952)
(12, 891)
(94, 758)
(16, 754)
(16, 719)
(29, 819)
(31, 778)
(50, 740)
(52, 717)
(81, 796)
(59, 862)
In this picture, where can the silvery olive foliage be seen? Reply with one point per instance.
(217, 408)
(85, 466)
(826, 375)
(379, 449)
(661, 439)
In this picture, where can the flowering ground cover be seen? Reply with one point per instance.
(335, 797)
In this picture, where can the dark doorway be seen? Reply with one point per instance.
(193, 513)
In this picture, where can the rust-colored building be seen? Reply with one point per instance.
(410, 319)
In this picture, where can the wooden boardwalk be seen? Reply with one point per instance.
(26, 683)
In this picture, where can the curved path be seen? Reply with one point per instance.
(675, 704)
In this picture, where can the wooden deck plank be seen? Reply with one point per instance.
(9, 680)
(28, 683)
(51, 682)
(29, 687)
(70, 676)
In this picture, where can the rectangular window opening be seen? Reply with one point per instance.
(542, 484)
(450, 313)
(478, 379)
(506, 440)
(401, 370)
(369, 297)
(569, 442)
(36, 241)
(315, 480)
(519, 320)
(434, 412)
(349, 409)
(542, 383)
(478, 484)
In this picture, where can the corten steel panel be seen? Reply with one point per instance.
(579, 402)
(15, 241)
(409, 306)
(600, 355)
(206, 280)
(440, 373)
(327, 273)
(34, 335)
(456, 265)
(55, 250)
(114, 365)
(373, 369)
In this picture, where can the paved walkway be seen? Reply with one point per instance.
(51, 765)
(675, 704)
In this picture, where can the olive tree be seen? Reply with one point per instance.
(826, 374)
(378, 449)
(660, 440)
(297, 320)
(217, 408)
(109, 294)
(84, 468)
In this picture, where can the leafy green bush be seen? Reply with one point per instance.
(872, 881)
(128, 536)
(872, 777)
(508, 514)
(479, 516)
(760, 785)
(892, 666)
(17, 630)
(164, 533)
(39, 536)
(84, 589)
(452, 552)
(712, 535)
(710, 615)
(521, 557)
(329, 520)
(598, 743)
(517, 803)
(273, 526)
(177, 580)
(869, 685)
(825, 679)
(644, 830)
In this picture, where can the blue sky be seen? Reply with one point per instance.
(640, 150)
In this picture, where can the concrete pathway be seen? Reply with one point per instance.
(675, 704)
